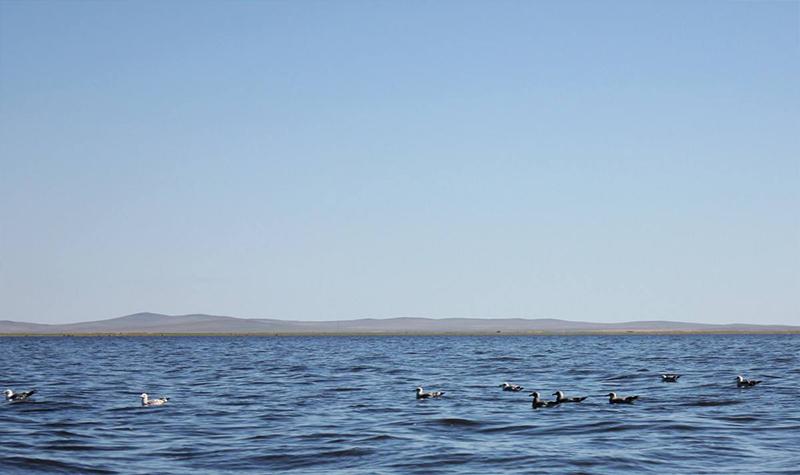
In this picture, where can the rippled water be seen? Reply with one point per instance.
(346, 404)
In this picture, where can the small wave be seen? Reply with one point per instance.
(508, 429)
(728, 402)
(455, 421)
(380, 437)
(31, 463)
(505, 358)
(351, 452)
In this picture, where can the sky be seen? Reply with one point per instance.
(595, 161)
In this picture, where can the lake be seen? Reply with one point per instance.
(347, 404)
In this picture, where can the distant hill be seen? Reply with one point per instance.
(149, 323)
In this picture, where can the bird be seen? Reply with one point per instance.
(746, 383)
(146, 401)
(561, 398)
(423, 395)
(670, 377)
(511, 387)
(537, 403)
(613, 399)
(11, 396)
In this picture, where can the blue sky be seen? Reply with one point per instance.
(598, 161)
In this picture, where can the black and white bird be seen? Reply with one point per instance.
(613, 399)
(537, 403)
(561, 398)
(511, 387)
(746, 383)
(423, 395)
(670, 377)
(146, 401)
(11, 396)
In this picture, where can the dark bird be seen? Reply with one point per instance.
(670, 377)
(511, 387)
(561, 398)
(613, 399)
(423, 395)
(746, 383)
(11, 396)
(537, 403)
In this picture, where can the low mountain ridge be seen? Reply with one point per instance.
(156, 323)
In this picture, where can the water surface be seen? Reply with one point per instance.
(346, 404)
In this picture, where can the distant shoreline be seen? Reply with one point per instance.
(410, 333)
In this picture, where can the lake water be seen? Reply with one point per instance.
(347, 405)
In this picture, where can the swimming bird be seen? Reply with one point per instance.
(423, 395)
(537, 403)
(613, 399)
(561, 398)
(11, 396)
(746, 383)
(670, 377)
(511, 387)
(146, 401)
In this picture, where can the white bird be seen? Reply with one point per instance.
(11, 396)
(146, 401)
(511, 387)
(423, 395)
(746, 383)
(613, 399)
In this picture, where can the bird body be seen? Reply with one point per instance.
(746, 383)
(421, 394)
(561, 398)
(11, 396)
(511, 387)
(670, 377)
(146, 401)
(537, 403)
(613, 399)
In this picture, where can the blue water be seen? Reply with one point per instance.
(346, 404)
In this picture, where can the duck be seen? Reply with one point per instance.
(433, 394)
(537, 403)
(670, 377)
(11, 396)
(146, 401)
(561, 398)
(746, 383)
(511, 387)
(613, 399)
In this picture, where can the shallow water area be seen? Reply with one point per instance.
(346, 404)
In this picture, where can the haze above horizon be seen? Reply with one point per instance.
(587, 161)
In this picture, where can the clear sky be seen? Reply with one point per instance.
(598, 161)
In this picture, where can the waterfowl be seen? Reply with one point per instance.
(423, 395)
(746, 383)
(146, 401)
(11, 396)
(537, 403)
(511, 387)
(670, 377)
(561, 398)
(613, 399)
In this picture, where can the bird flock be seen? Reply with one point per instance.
(613, 398)
(25, 396)
(537, 402)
